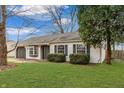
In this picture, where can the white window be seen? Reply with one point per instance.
(79, 48)
(33, 51)
(61, 49)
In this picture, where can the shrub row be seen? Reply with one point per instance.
(56, 58)
(74, 58)
(79, 59)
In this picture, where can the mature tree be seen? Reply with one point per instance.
(98, 24)
(3, 47)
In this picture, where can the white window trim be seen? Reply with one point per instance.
(57, 48)
(82, 45)
(33, 51)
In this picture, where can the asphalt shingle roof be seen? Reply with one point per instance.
(53, 38)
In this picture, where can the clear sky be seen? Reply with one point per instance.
(31, 23)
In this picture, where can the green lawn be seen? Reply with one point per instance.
(46, 74)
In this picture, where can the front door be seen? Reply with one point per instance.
(45, 51)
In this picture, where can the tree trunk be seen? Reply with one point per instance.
(108, 50)
(3, 46)
(61, 31)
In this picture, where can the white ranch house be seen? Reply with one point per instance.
(68, 43)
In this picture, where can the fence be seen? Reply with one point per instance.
(118, 51)
(118, 54)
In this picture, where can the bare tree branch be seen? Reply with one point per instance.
(57, 15)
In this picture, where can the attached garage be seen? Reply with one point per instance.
(21, 52)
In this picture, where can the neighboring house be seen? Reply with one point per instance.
(119, 46)
(68, 43)
(10, 46)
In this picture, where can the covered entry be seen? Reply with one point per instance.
(20, 52)
(44, 51)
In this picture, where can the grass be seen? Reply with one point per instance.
(46, 74)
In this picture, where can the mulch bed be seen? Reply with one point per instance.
(8, 66)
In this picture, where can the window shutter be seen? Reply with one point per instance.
(74, 48)
(88, 49)
(55, 49)
(66, 50)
